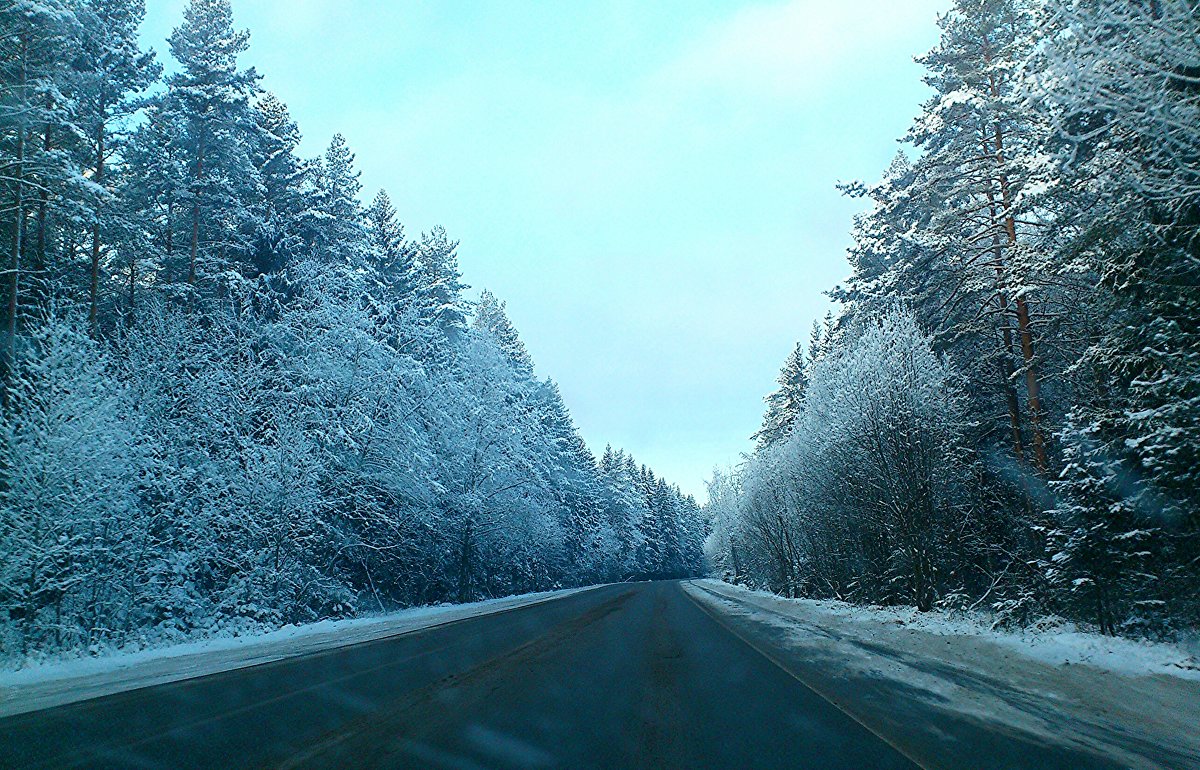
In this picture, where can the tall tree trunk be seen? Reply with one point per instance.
(1032, 384)
(1007, 370)
(93, 309)
(1024, 319)
(169, 246)
(195, 243)
(133, 265)
(39, 263)
(465, 566)
(195, 249)
(1024, 328)
(14, 265)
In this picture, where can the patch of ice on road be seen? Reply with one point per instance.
(56, 683)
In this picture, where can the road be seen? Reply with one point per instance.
(627, 676)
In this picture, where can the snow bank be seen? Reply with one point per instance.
(927, 676)
(55, 684)
(1056, 643)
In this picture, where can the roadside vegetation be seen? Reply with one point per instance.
(234, 397)
(1005, 412)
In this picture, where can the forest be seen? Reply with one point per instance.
(234, 396)
(1004, 413)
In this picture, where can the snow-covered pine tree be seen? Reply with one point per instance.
(340, 231)
(623, 510)
(153, 197)
(39, 40)
(1120, 82)
(439, 284)
(392, 256)
(979, 144)
(572, 479)
(785, 404)
(211, 99)
(1106, 546)
(491, 316)
(287, 181)
(110, 72)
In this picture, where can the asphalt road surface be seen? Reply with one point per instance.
(621, 677)
(628, 676)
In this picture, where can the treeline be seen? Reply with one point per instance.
(233, 396)
(1006, 412)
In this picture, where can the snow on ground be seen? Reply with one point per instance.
(1059, 644)
(899, 671)
(55, 684)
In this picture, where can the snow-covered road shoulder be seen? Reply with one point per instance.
(899, 672)
(56, 684)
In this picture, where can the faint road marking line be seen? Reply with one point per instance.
(783, 667)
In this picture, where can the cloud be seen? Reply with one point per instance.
(792, 49)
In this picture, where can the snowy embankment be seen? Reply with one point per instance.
(899, 672)
(56, 684)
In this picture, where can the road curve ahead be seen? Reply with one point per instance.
(626, 676)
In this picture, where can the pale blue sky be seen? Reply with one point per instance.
(649, 184)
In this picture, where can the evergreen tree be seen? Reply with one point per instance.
(491, 316)
(154, 193)
(394, 280)
(341, 232)
(785, 404)
(1119, 84)
(286, 184)
(978, 142)
(392, 256)
(39, 39)
(111, 71)
(572, 479)
(211, 98)
(440, 287)
(1106, 546)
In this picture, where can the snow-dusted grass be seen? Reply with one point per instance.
(66, 681)
(1132, 701)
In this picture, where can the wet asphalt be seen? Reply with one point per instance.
(624, 676)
